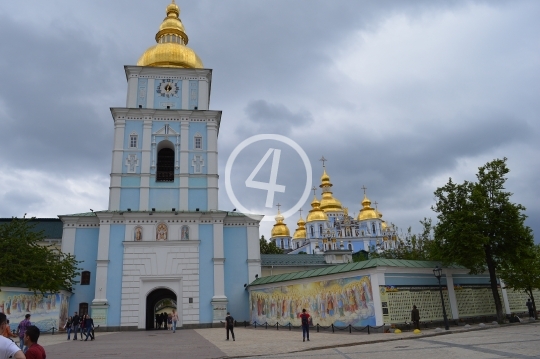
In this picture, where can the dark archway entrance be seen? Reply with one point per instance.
(160, 296)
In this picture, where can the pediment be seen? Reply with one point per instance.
(166, 130)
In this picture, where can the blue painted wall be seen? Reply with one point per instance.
(206, 272)
(133, 126)
(129, 198)
(86, 247)
(236, 271)
(114, 280)
(198, 182)
(131, 181)
(164, 199)
(198, 198)
(197, 128)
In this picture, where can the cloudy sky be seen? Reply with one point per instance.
(397, 95)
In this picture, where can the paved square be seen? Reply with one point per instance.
(509, 341)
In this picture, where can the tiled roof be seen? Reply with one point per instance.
(292, 259)
(348, 267)
(51, 227)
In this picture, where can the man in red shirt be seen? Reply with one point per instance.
(305, 324)
(35, 351)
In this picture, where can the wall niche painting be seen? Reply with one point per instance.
(184, 234)
(161, 232)
(138, 234)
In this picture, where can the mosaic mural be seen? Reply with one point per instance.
(47, 311)
(340, 302)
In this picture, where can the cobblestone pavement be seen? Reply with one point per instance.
(513, 341)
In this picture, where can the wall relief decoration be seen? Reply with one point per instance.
(161, 232)
(137, 236)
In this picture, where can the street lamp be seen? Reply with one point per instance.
(438, 274)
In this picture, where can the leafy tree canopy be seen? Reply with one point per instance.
(26, 263)
(269, 247)
(478, 226)
(523, 275)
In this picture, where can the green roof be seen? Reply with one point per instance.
(52, 227)
(348, 267)
(292, 259)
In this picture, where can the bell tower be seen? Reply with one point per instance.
(165, 139)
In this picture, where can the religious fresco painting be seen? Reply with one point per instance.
(47, 311)
(340, 302)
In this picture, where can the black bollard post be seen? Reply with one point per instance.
(290, 327)
(277, 325)
(255, 325)
(266, 324)
(350, 329)
(332, 327)
(368, 329)
(317, 327)
(52, 330)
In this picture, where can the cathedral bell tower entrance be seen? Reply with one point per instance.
(159, 303)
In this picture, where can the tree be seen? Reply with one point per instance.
(26, 263)
(479, 228)
(411, 247)
(269, 247)
(523, 275)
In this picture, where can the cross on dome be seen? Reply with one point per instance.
(314, 189)
(323, 160)
(278, 207)
(364, 188)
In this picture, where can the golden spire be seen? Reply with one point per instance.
(171, 49)
(328, 202)
(280, 229)
(300, 232)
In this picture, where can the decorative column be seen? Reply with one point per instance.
(117, 163)
(100, 304)
(184, 165)
(219, 300)
(212, 165)
(451, 294)
(377, 279)
(147, 155)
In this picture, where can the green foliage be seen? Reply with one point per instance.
(25, 263)
(417, 247)
(360, 256)
(523, 275)
(269, 247)
(479, 227)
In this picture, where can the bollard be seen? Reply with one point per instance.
(255, 325)
(266, 325)
(368, 329)
(317, 327)
(52, 330)
(290, 328)
(350, 329)
(277, 325)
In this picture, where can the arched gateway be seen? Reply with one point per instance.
(157, 296)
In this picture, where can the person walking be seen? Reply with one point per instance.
(415, 317)
(229, 323)
(304, 317)
(82, 326)
(89, 325)
(75, 321)
(21, 330)
(8, 349)
(530, 306)
(35, 351)
(67, 327)
(174, 320)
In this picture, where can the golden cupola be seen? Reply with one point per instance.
(316, 213)
(367, 212)
(280, 229)
(328, 202)
(171, 49)
(300, 232)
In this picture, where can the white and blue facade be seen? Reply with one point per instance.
(163, 234)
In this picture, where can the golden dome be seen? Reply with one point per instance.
(280, 229)
(328, 202)
(171, 49)
(384, 226)
(367, 212)
(300, 232)
(316, 213)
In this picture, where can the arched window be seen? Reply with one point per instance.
(320, 230)
(85, 278)
(350, 246)
(165, 165)
(373, 227)
(312, 230)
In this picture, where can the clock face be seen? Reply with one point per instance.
(167, 88)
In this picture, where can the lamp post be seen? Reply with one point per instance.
(438, 274)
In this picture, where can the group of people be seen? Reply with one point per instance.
(84, 325)
(167, 320)
(28, 334)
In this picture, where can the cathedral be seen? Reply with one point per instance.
(163, 237)
(329, 227)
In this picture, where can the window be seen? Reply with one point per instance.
(165, 165)
(198, 142)
(320, 230)
(350, 246)
(83, 309)
(133, 140)
(85, 278)
(373, 227)
(312, 230)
